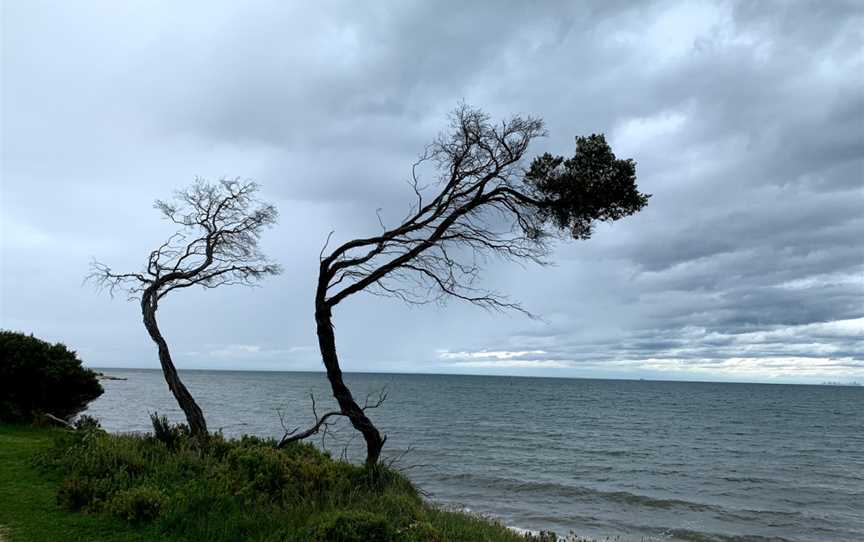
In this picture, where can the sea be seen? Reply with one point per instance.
(620, 460)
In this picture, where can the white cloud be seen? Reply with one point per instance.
(499, 359)
(250, 351)
(515, 363)
(235, 350)
(823, 350)
(635, 133)
(760, 367)
(488, 354)
(15, 235)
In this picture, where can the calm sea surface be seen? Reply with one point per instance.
(635, 459)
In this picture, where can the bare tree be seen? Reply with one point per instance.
(483, 203)
(217, 245)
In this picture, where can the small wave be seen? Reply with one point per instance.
(643, 500)
(699, 536)
(522, 531)
(744, 479)
(556, 490)
(677, 534)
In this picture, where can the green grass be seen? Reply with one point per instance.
(57, 485)
(28, 498)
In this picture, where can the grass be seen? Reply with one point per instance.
(89, 485)
(28, 498)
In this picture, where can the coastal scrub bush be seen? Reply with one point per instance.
(77, 493)
(220, 490)
(87, 423)
(167, 434)
(137, 505)
(39, 377)
(421, 532)
(353, 526)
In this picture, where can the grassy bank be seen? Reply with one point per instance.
(89, 485)
(28, 498)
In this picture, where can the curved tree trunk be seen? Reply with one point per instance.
(194, 415)
(349, 407)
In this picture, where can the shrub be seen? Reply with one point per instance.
(259, 472)
(421, 532)
(353, 526)
(79, 493)
(167, 434)
(223, 490)
(87, 424)
(137, 505)
(37, 377)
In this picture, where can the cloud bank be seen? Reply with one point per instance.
(746, 120)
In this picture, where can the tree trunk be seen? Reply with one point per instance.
(361, 422)
(194, 416)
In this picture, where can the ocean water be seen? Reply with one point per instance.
(640, 460)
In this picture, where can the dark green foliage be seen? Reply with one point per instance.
(245, 489)
(137, 504)
(167, 434)
(87, 423)
(353, 526)
(592, 185)
(422, 532)
(80, 493)
(39, 377)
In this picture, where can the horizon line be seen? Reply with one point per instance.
(850, 384)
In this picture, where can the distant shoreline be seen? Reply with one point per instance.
(103, 376)
(852, 384)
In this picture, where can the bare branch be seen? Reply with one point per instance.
(322, 423)
(217, 246)
(326, 244)
(471, 214)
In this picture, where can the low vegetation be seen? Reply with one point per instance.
(172, 486)
(28, 498)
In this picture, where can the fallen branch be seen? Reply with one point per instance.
(59, 421)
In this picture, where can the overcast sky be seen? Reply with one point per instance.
(746, 120)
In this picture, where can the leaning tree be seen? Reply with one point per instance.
(217, 244)
(482, 202)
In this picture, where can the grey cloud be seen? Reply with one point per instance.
(790, 346)
(746, 120)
